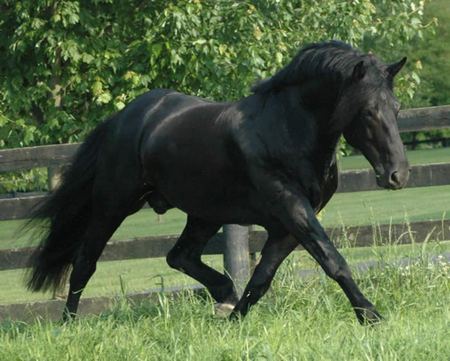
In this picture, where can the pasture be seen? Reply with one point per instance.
(346, 209)
(297, 320)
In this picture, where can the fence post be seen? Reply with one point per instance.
(236, 255)
(253, 257)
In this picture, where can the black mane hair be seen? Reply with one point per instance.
(331, 60)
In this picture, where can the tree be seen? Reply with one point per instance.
(68, 64)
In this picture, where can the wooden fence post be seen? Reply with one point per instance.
(236, 255)
(253, 256)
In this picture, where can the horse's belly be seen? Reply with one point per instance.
(207, 194)
(205, 188)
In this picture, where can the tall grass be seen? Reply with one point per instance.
(297, 320)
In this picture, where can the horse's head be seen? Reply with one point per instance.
(369, 100)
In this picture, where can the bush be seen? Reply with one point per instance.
(68, 64)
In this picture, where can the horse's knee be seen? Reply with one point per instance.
(178, 259)
(338, 270)
(82, 271)
(173, 259)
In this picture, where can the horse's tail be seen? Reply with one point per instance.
(65, 216)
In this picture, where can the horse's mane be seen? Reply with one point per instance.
(331, 60)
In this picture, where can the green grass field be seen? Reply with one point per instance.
(416, 157)
(297, 320)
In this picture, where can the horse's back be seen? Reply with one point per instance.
(148, 120)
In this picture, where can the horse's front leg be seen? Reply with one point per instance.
(319, 246)
(278, 246)
(295, 212)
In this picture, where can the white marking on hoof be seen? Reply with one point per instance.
(223, 310)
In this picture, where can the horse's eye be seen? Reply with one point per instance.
(369, 113)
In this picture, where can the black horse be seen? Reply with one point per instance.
(267, 159)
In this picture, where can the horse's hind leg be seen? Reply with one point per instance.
(185, 256)
(108, 211)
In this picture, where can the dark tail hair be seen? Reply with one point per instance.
(64, 217)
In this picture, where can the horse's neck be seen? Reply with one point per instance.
(287, 124)
(325, 154)
(316, 94)
(320, 98)
(317, 108)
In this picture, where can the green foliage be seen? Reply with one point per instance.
(33, 180)
(431, 56)
(401, 40)
(69, 64)
(434, 54)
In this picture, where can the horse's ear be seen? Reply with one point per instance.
(359, 71)
(393, 69)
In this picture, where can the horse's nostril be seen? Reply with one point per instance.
(394, 179)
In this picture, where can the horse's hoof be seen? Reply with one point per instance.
(367, 316)
(223, 310)
(235, 316)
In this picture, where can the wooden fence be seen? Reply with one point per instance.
(236, 242)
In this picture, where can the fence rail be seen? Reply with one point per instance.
(159, 246)
(56, 156)
(421, 176)
(421, 119)
(34, 157)
(409, 120)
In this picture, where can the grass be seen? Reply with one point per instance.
(416, 157)
(411, 204)
(144, 274)
(144, 223)
(296, 320)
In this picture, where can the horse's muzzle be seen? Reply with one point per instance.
(394, 179)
